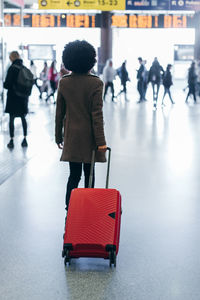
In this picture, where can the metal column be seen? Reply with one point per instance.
(197, 37)
(105, 51)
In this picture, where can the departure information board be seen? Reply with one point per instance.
(121, 4)
(149, 21)
(83, 4)
(94, 20)
(51, 20)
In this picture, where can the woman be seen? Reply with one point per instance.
(108, 77)
(192, 81)
(44, 77)
(123, 74)
(16, 106)
(155, 75)
(79, 111)
(53, 79)
(33, 70)
(167, 82)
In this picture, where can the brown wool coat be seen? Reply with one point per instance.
(79, 111)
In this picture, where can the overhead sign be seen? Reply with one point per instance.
(109, 5)
(41, 52)
(163, 5)
(106, 5)
(185, 5)
(147, 5)
(94, 20)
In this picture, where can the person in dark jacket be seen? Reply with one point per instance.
(145, 80)
(192, 81)
(123, 75)
(167, 82)
(16, 106)
(155, 75)
(140, 78)
(79, 111)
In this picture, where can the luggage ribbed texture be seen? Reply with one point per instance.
(90, 222)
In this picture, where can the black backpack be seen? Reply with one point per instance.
(24, 83)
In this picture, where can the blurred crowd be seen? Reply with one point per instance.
(155, 77)
(47, 81)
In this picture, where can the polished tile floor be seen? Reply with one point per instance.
(155, 165)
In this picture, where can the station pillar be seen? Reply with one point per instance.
(105, 50)
(197, 36)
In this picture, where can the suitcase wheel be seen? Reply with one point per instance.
(112, 258)
(67, 258)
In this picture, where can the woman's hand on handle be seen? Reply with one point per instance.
(60, 145)
(102, 148)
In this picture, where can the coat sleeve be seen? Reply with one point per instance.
(8, 84)
(97, 115)
(60, 115)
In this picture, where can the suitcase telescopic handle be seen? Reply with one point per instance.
(92, 168)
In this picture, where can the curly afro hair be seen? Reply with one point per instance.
(79, 56)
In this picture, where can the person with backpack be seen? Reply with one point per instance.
(192, 81)
(155, 75)
(167, 83)
(124, 77)
(19, 83)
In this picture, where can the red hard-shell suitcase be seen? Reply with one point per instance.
(93, 222)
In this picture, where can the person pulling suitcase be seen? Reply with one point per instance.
(79, 110)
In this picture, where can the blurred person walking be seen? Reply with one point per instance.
(53, 77)
(124, 77)
(140, 78)
(79, 110)
(198, 77)
(44, 78)
(109, 74)
(167, 83)
(192, 81)
(16, 105)
(155, 75)
(145, 80)
(34, 72)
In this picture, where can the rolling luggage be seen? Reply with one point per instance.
(93, 222)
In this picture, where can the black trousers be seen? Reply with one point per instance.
(140, 87)
(155, 87)
(111, 85)
(123, 83)
(12, 127)
(192, 91)
(75, 177)
(167, 91)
